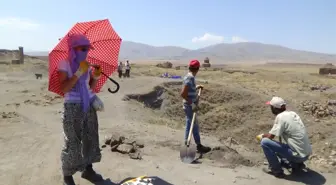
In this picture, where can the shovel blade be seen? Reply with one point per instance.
(188, 154)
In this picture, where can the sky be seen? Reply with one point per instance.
(299, 24)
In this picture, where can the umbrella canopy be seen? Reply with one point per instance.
(106, 43)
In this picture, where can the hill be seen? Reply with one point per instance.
(219, 53)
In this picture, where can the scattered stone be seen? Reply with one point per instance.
(7, 115)
(128, 141)
(331, 102)
(124, 145)
(140, 144)
(324, 162)
(319, 88)
(333, 153)
(125, 148)
(114, 148)
(137, 155)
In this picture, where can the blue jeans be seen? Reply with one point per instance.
(189, 115)
(273, 150)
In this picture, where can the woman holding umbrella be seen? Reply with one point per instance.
(80, 123)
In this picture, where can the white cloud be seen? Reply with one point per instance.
(235, 39)
(208, 38)
(18, 23)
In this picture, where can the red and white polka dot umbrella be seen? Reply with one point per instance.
(106, 43)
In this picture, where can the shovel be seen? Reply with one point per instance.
(187, 152)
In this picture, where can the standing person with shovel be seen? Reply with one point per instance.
(190, 104)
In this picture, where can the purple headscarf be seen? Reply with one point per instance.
(75, 57)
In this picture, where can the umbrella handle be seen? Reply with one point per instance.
(116, 83)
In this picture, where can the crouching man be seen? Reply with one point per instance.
(289, 127)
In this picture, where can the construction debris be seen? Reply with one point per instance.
(124, 145)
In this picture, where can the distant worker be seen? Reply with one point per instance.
(128, 68)
(120, 69)
(190, 104)
(289, 126)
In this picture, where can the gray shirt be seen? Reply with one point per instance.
(289, 126)
(189, 80)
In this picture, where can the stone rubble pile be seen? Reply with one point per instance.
(318, 109)
(124, 145)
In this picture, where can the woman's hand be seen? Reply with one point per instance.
(95, 76)
(83, 68)
(97, 72)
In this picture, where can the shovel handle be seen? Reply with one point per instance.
(192, 122)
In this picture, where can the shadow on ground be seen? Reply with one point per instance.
(157, 181)
(310, 177)
(106, 182)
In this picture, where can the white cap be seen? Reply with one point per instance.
(276, 102)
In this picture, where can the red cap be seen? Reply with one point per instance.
(194, 64)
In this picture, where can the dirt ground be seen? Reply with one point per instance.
(232, 113)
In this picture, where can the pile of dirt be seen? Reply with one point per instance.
(124, 145)
(165, 65)
(317, 109)
(227, 157)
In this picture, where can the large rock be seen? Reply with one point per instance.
(112, 140)
(126, 149)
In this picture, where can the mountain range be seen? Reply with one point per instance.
(219, 53)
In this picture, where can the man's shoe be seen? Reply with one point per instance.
(90, 175)
(203, 149)
(298, 167)
(68, 180)
(286, 164)
(277, 174)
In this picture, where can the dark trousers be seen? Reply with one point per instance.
(120, 73)
(127, 73)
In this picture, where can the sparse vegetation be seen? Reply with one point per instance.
(233, 102)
